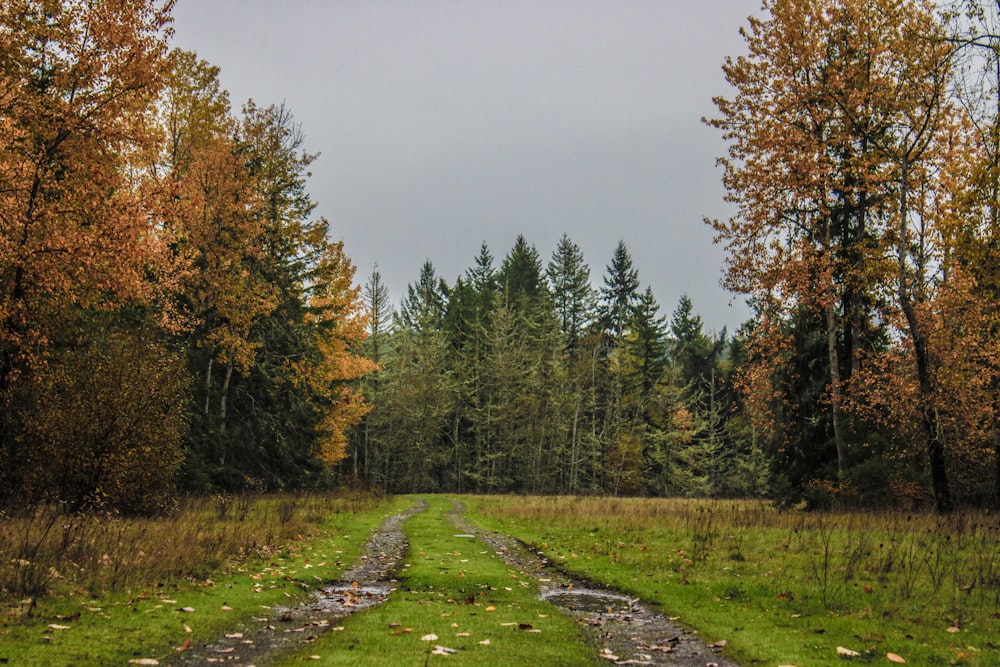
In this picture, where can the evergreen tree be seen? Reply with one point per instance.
(426, 301)
(573, 297)
(521, 278)
(619, 294)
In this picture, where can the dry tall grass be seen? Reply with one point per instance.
(48, 549)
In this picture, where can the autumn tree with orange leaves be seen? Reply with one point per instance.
(79, 262)
(837, 136)
(169, 310)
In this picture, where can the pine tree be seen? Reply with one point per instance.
(619, 294)
(573, 297)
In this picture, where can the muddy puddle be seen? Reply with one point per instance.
(337, 600)
(588, 600)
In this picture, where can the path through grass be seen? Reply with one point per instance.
(454, 593)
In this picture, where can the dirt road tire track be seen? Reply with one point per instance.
(281, 631)
(638, 635)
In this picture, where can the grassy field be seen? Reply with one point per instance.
(101, 590)
(780, 587)
(784, 587)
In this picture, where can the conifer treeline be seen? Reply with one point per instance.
(524, 378)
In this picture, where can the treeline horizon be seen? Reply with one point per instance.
(174, 318)
(521, 377)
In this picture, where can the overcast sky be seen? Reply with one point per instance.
(445, 123)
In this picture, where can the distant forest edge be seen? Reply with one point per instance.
(174, 318)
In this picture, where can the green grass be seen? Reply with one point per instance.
(146, 617)
(457, 589)
(784, 587)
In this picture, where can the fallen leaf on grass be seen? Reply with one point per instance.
(485, 642)
(491, 608)
(143, 661)
(187, 610)
(226, 607)
(443, 650)
(401, 631)
(954, 629)
(463, 634)
(53, 626)
(235, 635)
(186, 645)
(429, 638)
(846, 652)
(718, 644)
(892, 657)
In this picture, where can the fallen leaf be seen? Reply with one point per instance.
(846, 652)
(187, 610)
(491, 608)
(892, 657)
(53, 626)
(226, 607)
(443, 650)
(186, 645)
(462, 634)
(954, 629)
(187, 628)
(143, 661)
(235, 635)
(718, 644)
(429, 638)
(485, 642)
(401, 631)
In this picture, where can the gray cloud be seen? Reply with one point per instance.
(445, 124)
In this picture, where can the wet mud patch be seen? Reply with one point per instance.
(283, 630)
(588, 600)
(625, 630)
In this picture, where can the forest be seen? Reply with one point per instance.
(174, 317)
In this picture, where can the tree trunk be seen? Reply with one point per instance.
(921, 350)
(995, 496)
(223, 400)
(208, 384)
(835, 395)
(833, 358)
